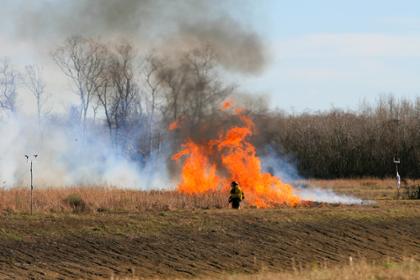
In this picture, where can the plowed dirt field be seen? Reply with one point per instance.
(183, 243)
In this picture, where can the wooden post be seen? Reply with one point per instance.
(31, 158)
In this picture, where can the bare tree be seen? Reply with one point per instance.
(124, 85)
(125, 101)
(118, 92)
(173, 79)
(36, 86)
(193, 89)
(205, 91)
(152, 92)
(82, 60)
(8, 86)
(95, 108)
(105, 100)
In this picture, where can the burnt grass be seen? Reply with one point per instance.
(187, 243)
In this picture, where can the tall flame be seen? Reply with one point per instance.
(238, 162)
(198, 174)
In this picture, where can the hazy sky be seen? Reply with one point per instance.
(321, 53)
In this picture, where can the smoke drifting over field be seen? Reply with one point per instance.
(282, 168)
(148, 24)
(119, 135)
(327, 196)
(65, 159)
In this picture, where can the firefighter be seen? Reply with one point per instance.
(236, 195)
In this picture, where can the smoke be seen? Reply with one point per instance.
(236, 48)
(69, 156)
(325, 195)
(168, 27)
(151, 23)
(84, 17)
(284, 169)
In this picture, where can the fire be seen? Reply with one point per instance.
(227, 104)
(198, 174)
(173, 125)
(237, 160)
(242, 163)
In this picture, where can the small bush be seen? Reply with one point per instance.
(76, 203)
(102, 210)
(410, 192)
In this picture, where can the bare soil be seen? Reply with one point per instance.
(188, 243)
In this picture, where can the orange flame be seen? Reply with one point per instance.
(227, 104)
(198, 175)
(173, 125)
(239, 161)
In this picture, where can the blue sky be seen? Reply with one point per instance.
(336, 53)
(300, 17)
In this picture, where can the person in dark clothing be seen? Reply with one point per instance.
(236, 195)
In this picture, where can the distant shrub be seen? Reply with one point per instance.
(76, 203)
(411, 192)
(102, 210)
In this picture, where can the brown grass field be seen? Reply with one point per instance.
(102, 199)
(126, 234)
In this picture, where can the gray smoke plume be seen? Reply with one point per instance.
(282, 168)
(151, 23)
(42, 19)
(235, 48)
(168, 26)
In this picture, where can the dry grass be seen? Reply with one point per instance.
(366, 188)
(362, 270)
(103, 199)
(113, 199)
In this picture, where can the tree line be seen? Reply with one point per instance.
(338, 143)
(136, 96)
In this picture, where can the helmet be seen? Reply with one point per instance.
(234, 184)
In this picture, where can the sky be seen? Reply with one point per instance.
(320, 53)
(338, 53)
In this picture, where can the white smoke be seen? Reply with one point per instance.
(325, 195)
(69, 157)
(283, 169)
